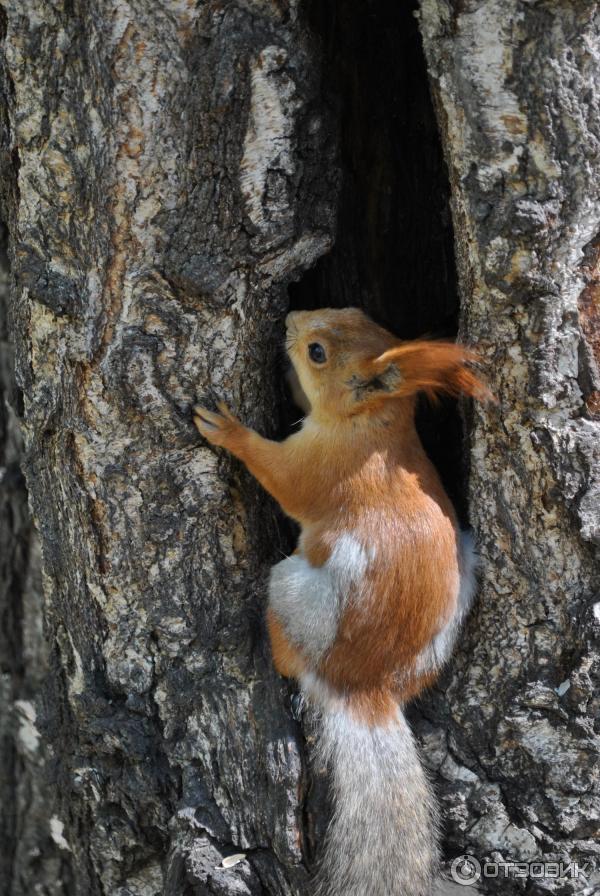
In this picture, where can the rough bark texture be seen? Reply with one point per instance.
(517, 93)
(168, 168)
(170, 173)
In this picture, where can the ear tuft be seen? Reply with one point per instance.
(385, 382)
(434, 368)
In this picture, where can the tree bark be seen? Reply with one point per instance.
(28, 854)
(168, 170)
(168, 174)
(517, 96)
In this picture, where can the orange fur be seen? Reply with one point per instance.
(373, 707)
(288, 661)
(357, 465)
(433, 367)
(412, 585)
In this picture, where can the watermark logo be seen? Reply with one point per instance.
(466, 870)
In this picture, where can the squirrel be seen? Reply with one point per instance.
(367, 610)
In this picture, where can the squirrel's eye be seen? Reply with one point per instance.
(317, 353)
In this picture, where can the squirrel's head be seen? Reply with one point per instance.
(346, 364)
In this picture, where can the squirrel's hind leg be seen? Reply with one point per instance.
(287, 659)
(438, 651)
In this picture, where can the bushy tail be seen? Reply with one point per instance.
(382, 839)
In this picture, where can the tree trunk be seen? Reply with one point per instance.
(169, 169)
(517, 94)
(165, 169)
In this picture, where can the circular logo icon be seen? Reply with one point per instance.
(465, 870)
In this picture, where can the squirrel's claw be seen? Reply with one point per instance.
(203, 418)
(297, 705)
(226, 412)
(216, 428)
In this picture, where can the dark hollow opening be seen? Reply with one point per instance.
(393, 252)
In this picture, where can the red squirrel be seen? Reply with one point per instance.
(368, 608)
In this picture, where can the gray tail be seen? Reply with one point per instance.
(382, 839)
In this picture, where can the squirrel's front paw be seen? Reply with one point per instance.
(218, 429)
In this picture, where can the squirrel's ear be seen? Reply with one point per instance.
(427, 366)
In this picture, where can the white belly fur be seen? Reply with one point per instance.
(309, 600)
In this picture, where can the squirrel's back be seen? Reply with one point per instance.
(376, 576)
